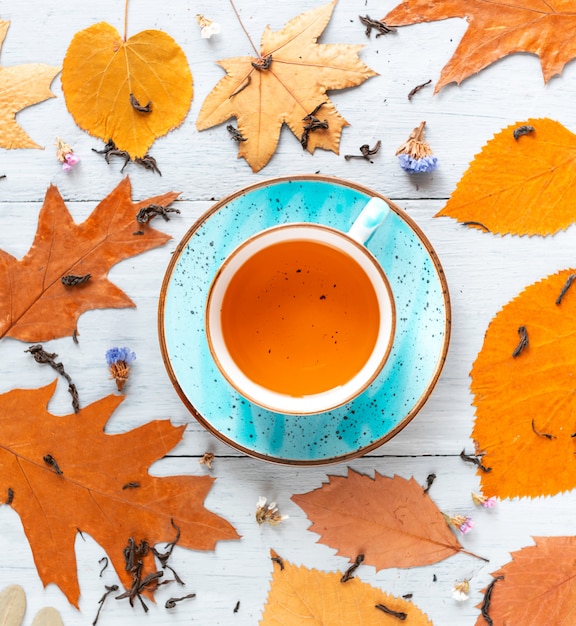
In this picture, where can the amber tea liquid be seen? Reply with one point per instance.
(300, 317)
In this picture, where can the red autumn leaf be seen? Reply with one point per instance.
(391, 521)
(34, 303)
(536, 587)
(59, 489)
(496, 29)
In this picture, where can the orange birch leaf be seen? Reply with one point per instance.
(526, 405)
(391, 521)
(21, 86)
(538, 585)
(496, 29)
(520, 186)
(295, 83)
(87, 492)
(299, 595)
(104, 76)
(34, 303)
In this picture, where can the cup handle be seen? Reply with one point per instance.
(369, 219)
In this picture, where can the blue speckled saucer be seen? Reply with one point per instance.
(396, 395)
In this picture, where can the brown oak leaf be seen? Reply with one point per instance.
(34, 303)
(58, 488)
(536, 587)
(496, 29)
(21, 86)
(520, 183)
(391, 521)
(299, 595)
(523, 387)
(285, 85)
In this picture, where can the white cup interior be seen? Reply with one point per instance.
(318, 402)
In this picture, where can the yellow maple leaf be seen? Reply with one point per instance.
(129, 90)
(521, 182)
(524, 392)
(284, 85)
(20, 87)
(299, 595)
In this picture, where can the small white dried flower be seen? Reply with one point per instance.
(267, 513)
(208, 27)
(461, 590)
(207, 460)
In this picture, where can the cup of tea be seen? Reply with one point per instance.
(300, 317)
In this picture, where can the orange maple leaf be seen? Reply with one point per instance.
(128, 90)
(391, 521)
(34, 303)
(537, 586)
(497, 29)
(520, 183)
(526, 404)
(300, 595)
(59, 489)
(21, 86)
(284, 85)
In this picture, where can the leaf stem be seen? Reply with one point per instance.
(243, 27)
(126, 20)
(476, 556)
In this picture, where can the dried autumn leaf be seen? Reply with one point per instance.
(300, 595)
(525, 405)
(538, 585)
(89, 493)
(104, 76)
(496, 29)
(521, 186)
(21, 86)
(391, 521)
(284, 85)
(34, 304)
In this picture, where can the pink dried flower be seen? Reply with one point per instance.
(463, 523)
(485, 501)
(66, 155)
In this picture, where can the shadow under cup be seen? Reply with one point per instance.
(300, 318)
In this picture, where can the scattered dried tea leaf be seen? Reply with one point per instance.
(496, 29)
(525, 405)
(283, 85)
(299, 595)
(131, 91)
(21, 86)
(34, 304)
(87, 495)
(391, 521)
(519, 184)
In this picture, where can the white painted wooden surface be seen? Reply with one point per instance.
(484, 272)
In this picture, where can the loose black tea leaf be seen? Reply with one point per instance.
(365, 152)
(237, 607)
(277, 559)
(429, 481)
(152, 210)
(235, 133)
(397, 614)
(10, 497)
(171, 602)
(131, 485)
(51, 461)
(349, 573)
(487, 599)
(408, 596)
(474, 459)
(148, 163)
(104, 560)
(565, 288)
(263, 63)
(545, 435)
(479, 224)
(416, 89)
(109, 589)
(43, 357)
(312, 124)
(381, 27)
(70, 280)
(164, 556)
(241, 88)
(147, 108)
(523, 343)
(522, 130)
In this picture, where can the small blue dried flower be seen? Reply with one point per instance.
(119, 361)
(415, 155)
